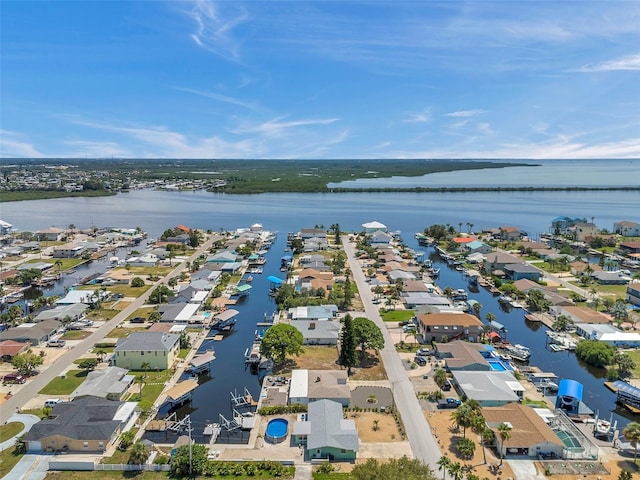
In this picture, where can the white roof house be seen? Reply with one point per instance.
(489, 388)
(373, 226)
(608, 333)
(82, 296)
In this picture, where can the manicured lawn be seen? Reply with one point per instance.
(64, 386)
(184, 352)
(617, 290)
(152, 271)
(142, 312)
(8, 430)
(8, 460)
(154, 382)
(103, 314)
(397, 315)
(122, 332)
(67, 263)
(76, 335)
(635, 356)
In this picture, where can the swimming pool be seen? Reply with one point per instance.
(206, 314)
(276, 430)
(496, 365)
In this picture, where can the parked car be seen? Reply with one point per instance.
(56, 343)
(420, 361)
(403, 323)
(449, 402)
(14, 378)
(424, 352)
(52, 402)
(137, 320)
(409, 328)
(447, 386)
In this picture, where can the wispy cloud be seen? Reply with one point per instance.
(220, 98)
(12, 144)
(465, 113)
(277, 127)
(214, 28)
(424, 116)
(95, 149)
(629, 62)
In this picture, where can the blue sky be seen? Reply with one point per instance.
(327, 79)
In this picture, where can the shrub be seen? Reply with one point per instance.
(137, 282)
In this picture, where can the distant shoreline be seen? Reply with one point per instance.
(44, 195)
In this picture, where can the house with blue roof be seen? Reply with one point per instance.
(478, 246)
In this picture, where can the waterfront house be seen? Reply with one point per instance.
(452, 326)
(181, 312)
(518, 271)
(315, 244)
(497, 260)
(413, 299)
(371, 227)
(530, 435)
(68, 250)
(579, 314)
(460, 355)
(5, 228)
(87, 297)
(560, 225)
(224, 256)
(310, 278)
(71, 312)
(42, 266)
(322, 332)
(582, 231)
(608, 334)
(146, 260)
(309, 233)
(550, 294)
(630, 248)
(33, 333)
(478, 247)
(309, 385)
(380, 238)
(51, 234)
(11, 348)
(313, 312)
(159, 350)
(610, 278)
(627, 229)
(490, 389)
(633, 294)
(110, 383)
(87, 424)
(326, 433)
(510, 234)
(306, 261)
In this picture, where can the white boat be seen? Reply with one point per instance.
(602, 427)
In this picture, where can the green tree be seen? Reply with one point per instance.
(624, 362)
(155, 316)
(26, 277)
(137, 282)
(405, 468)
(180, 461)
(456, 471)
(466, 447)
(504, 431)
(440, 377)
(367, 335)
(596, 353)
(490, 317)
(26, 362)
(88, 364)
(348, 344)
(625, 475)
(562, 323)
(146, 366)
(160, 294)
(463, 416)
(536, 301)
(335, 229)
(126, 440)
(632, 434)
(476, 309)
(139, 454)
(281, 340)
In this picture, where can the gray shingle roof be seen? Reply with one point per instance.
(153, 341)
(329, 428)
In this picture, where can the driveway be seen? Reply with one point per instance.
(28, 420)
(31, 467)
(423, 444)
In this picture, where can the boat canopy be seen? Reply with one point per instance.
(621, 386)
(227, 315)
(570, 388)
(243, 288)
(274, 279)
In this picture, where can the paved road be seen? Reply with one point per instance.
(34, 385)
(423, 444)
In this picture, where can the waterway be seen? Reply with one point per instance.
(406, 212)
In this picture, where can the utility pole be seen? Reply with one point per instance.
(190, 444)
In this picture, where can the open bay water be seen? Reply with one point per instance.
(155, 211)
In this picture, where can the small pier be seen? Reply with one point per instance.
(201, 363)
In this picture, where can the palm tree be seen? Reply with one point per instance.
(456, 471)
(100, 354)
(139, 454)
(58, 264)
(504, 430)
(490, 317)
(146, 366)
(632, 434)
(463, 417)
(443, 464)
(476, 309)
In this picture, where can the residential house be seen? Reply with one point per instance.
(413, 299)
(109, 383)
(561, 225)
(326, 433)
(315, 312)
(5, 228)
(371, 227)
(68, 250)
(313, 279)
(579, 314)
(451, 326)
(530, 435)
(583, 231)
(510, 234)
(490, 389)
(146, 260)
(159, 350)
(550, 294)
(460, 355)
(182, 239)
(42, 266)
(306, 260)
(627, 229)
(630, 248)
(380, 238)
(33, 333)
(51, 234)
(309, 385)
(11, 348)
(87, 424)
(70, 312)
(608, 334)
(478, 247)
(610, 278)
(308, 233)
(633, 294)
(518, 271)
(322, 332)
(83, 296)
(224, 256)
(497, 260)
(182, 312)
